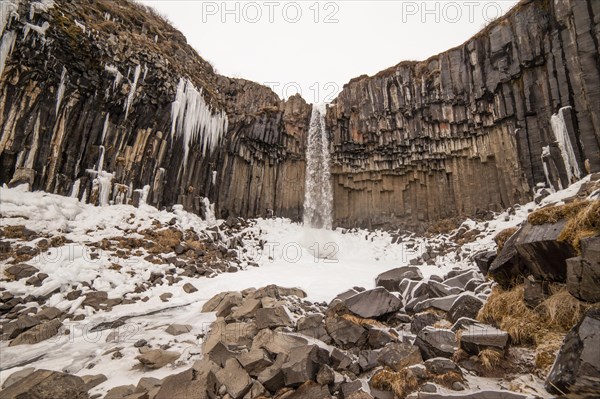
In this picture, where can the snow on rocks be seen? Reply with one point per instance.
(101, 274)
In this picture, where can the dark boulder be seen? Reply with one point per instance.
(576, 371)
(542, 252)
(391, 279)
(399, 355)
(45, 384)
(436, 342)
(303, 364)
(484, 260)
(465, 306)
(373, 303)
(508, 266)
(583, 272)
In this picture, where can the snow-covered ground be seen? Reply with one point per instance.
(344, 258)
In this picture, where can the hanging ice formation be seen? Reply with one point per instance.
(131, 96)
(193, 120)
(6, 48)
(567, 151)
(61, 90)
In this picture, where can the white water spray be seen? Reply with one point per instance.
(318, 194)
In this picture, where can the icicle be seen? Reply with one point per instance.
(144, 195)
(145, 72)
(193, 119)
(41, 30)
(105, 128)
(209, 212)
(564, 143)
(214, 177)
(80, 26)
(75, 189)
(84, 196)
(132, 90)
(20, 157)
(105, 183)
(31, 156)
(6, 48)
(61, 90)
(101, 160)
(545, 155)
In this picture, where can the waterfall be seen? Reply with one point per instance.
(318, 194)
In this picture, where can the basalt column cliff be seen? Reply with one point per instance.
(105, 101)
(477, 127)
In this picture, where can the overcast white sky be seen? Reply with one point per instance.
(317, 47)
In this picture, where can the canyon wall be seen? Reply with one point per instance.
(106, 97)
(471, 129)
(104, 100)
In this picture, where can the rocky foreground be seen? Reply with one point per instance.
(150, 295)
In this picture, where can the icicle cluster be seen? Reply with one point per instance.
(561, 133)
(194, 120)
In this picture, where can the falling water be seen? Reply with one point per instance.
(318, 196)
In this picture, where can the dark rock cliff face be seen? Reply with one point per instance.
(99, 99)
(119, 66)
(465, 131)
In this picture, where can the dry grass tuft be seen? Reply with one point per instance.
(561, 309)
(401, 383)
(490, 358)
(460, 355)
(552, 214)
(508, 311)
(362, 322)
(586, 223)
(503, 236)
(443, 226)
(583, 220)
(442, 324)
(448, 379)
(546, 351)
(543, 328)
